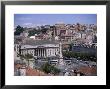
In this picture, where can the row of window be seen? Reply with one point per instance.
(53, 52)
(49, 51)
(27, 51)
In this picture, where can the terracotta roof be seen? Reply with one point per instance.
(30, 71)
(18, 66)
(34, 72)
(88, 70)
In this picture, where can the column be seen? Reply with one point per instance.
(40, 52)
(37, 52)
(34, 52)
(45, 53)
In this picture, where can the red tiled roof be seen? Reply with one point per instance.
(30, 71)
(88, 70)
(34, 72)
(18, 66)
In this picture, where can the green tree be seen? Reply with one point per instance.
(55, 70)
(19, 30)
(28, 56)
(34, 31)
(81, 55)
(44, 30)
(47, 68)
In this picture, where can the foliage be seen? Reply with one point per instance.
(26, 56)
(33, 32)
(21, 56)
(55, 70)
(44, 30)
(80, 56)
(19, 30)
(47, 68)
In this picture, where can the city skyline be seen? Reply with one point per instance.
(58, 50)
(32, 20)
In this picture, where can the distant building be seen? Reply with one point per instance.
(32, 37)
(39, 37)
(84, 48)
(24, 34)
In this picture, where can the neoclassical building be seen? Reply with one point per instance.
(40, 49)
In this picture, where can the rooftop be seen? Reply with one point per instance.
(30, 71)
(89, 71)
(38, 42)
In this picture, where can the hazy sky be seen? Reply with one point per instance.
(29, 20)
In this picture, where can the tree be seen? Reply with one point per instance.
(44, 30)
(21, 56)
(33, 32)
(80, 55)
(47, 68)
(28, 56)
(55, 70)
(19, 30)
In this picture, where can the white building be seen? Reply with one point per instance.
(41, 49)
(32, 37)
(44, 50)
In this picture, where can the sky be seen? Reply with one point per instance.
(32, 20)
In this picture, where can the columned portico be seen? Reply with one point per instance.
(43, 50)
(40, 52)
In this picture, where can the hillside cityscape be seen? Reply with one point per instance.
(59, 49)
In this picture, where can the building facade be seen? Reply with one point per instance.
(44, 50)
(40, 49)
